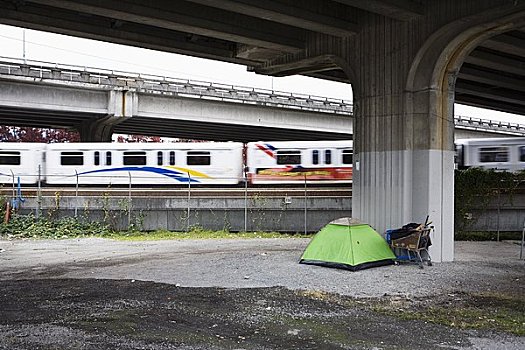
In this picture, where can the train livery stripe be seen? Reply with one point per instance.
(191, 172)
(267, 148)
(176, 175)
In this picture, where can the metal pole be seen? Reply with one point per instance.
(497, 222)
(76, 194)
(245, 202)
(24, 45)
(522, 240)
(305, 204)
(189, 198)
(129, 200)
(14, 189)
(39, 192)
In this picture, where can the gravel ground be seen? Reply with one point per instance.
(226, 278)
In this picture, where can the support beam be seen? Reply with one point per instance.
(285, 14)
(483, 91)
(68, 23)
(497, 61)
(491, 77)
(403, 10)
(191, 19)
(507, 43)
(305, 66)
(120, 107)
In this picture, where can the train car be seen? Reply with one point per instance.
(20, 162)
(216, 163)
(294, 162)
(504, 154)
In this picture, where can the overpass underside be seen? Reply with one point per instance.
(407, 61)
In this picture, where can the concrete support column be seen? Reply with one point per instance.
(120, 106)
(403, 139)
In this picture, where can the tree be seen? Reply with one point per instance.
(29, 134)
(138, 138)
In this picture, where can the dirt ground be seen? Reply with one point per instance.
(53, 297)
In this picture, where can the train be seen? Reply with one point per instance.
(165, 164)
(216, 163)
(501, 154)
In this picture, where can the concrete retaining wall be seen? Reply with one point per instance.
(286, 214)
(261, 214)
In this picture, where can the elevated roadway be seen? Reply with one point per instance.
(98, 102)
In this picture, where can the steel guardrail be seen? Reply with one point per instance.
(174, 86)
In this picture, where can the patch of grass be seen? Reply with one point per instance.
(469, 310)
(197, 233)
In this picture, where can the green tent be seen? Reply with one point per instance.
(348, 244)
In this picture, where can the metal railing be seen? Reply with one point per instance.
(478, 124)
(149, 83)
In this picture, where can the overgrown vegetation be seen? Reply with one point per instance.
(27, 226)
(475, 188)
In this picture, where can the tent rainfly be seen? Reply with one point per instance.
(348, 244)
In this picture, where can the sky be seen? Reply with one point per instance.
(55, 48)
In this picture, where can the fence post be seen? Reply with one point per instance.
(129, 201)
(39, 192)
(245, 202)
(305, 205)
(76, 194)
(498, 218)
(14, 188)
(189, 199)
(522, 240)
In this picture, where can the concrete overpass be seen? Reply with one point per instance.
(98, 102)
(408, 62)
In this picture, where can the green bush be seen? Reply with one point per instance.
(27, 226)
(474, 188)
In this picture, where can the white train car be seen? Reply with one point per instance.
(19, 162)
(504, 154)
(217, 163)
(293, 162)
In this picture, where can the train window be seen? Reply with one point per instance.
(198, 158)
(97, 158)
(315, 156)
(160, 158)
(172, 157)
(493, 154)
(9, 158)
(328, 156)
(522, 153)
(108, 158)
(72, 158)
(348, 156)
(134, 158)
(289, 157)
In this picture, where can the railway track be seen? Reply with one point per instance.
(178, 192)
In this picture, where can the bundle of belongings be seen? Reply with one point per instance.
(411, 242)
(407, 230)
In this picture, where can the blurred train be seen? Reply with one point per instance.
(211, 163)
(502, 154)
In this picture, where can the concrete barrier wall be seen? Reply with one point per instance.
(506, 213)
(286, 214)
(261, 213)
